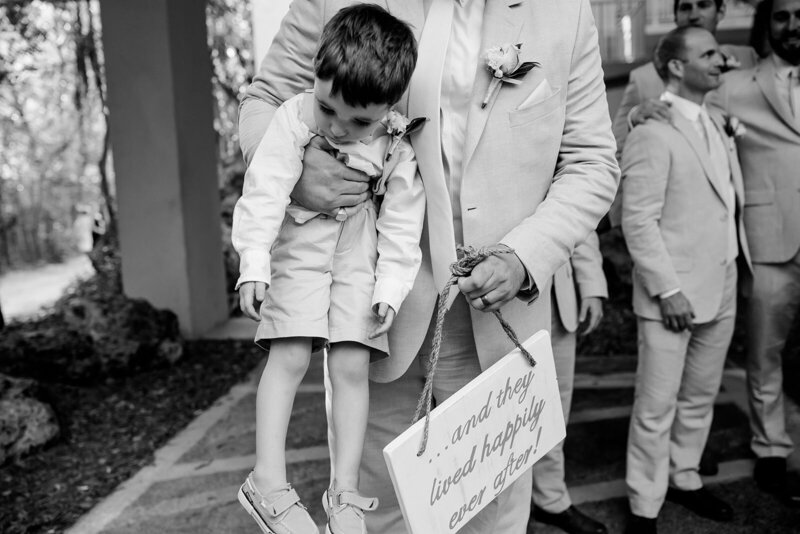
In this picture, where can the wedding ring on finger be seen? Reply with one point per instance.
(485, 301)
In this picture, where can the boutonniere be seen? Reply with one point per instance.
(734, 127)
(504, 63)
(399, 126)
(730, 63)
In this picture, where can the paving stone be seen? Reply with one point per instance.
(595, 450)
(598, 365)
(594, 399)
(235, 434)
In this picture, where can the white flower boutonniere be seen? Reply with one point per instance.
(730, 63)
(400, 126)
(504, 63)
(734, 127)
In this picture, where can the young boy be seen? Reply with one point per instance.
(329, 281)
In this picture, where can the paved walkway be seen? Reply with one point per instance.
(191, 487)
(25, 292)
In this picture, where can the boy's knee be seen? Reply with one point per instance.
(349, 367)
(294, 355)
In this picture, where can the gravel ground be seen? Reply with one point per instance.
(110, 431)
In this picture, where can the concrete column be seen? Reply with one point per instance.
(158, 71)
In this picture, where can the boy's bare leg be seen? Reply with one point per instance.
(348, 368)
(286, 366)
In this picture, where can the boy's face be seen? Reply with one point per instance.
(341, 122)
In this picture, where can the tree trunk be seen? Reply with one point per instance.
(2, 320)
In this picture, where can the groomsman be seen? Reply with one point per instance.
(641, 98)
(644, 82)
(682, 189)
(766, 99)
(580, 280)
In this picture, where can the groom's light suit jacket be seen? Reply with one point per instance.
(537, 177)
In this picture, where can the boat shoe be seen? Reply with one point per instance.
(278, 512)
(345, 510)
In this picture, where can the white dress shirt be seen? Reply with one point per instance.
(788, 84)
(458, 78)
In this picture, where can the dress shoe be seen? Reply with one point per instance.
(770, 476)
(641, 525)
(709, 466)
(570, 520)
(701, 502)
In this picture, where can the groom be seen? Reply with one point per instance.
(533, 169)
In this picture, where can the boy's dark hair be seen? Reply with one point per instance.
(676, 2)
(367, 54)
(670, 46)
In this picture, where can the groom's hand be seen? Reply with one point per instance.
(326, 183)
(497, 279)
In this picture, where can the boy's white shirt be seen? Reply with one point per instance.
(275, 169)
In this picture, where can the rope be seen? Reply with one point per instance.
(463, 267)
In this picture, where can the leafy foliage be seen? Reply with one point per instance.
(53, 119)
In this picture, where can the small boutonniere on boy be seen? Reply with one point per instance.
(734, 127)
(399, 126)
(504, 63)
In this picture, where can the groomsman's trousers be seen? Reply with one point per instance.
(771, 311)
(677, 380)
(391, 408)
(549, 488)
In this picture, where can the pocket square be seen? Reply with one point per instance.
(542, 91)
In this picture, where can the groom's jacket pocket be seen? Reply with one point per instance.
(536, 110)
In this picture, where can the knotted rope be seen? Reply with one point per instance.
(463, 267)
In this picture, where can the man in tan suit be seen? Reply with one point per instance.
(766, 99)
(681, 193)
(644, 82)
(533, 169)
(645, 86)
(579, 280)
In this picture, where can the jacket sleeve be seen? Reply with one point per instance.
(399, 229)
(587, 264)
(630, 99)
(646, 166)
(285, 71)
(586, 174)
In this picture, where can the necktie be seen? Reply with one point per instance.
(794, 93)
(424, 101)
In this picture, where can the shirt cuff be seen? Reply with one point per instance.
(254, 266)
(392, 291)
(668, 294)
(629, 118)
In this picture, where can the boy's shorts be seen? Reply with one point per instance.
(323, 278)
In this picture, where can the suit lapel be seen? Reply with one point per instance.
(765, 78)
(733, 161)
(698, 146)
(501, 24)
